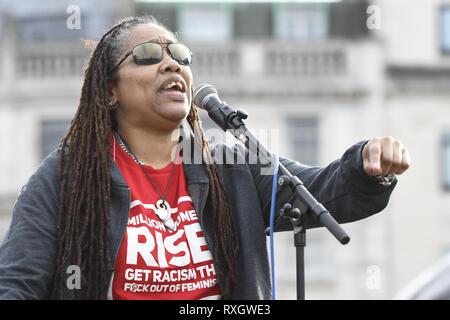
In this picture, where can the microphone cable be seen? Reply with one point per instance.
(272, 217)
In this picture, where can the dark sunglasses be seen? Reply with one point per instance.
(151, 52)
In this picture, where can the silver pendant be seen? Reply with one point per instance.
(163, 213)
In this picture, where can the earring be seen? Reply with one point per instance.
(112, 106)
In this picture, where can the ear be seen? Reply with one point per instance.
(113, 96)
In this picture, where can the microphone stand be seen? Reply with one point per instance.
(229, 119)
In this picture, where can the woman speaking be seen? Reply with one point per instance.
(116, 211)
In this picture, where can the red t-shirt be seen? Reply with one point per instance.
(154, 262)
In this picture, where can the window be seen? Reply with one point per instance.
(253, 21)
(53, 28)
(348, 19)
(52, 132)
(444, 36)
(303, 138)
(205, 23)
(446, 160)
(301, 22)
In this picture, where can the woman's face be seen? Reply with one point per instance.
(143, 101)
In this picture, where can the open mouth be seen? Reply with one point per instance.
(173, 86)
(174, 89)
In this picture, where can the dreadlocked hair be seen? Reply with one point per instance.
(85, 188)
(224, 234)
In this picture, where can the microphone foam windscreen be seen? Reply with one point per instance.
(201, 91)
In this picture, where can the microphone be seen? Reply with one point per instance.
(206, 97)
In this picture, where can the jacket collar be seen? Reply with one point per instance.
(196, 177)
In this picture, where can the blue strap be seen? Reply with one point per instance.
(272, 215)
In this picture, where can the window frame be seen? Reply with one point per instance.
(315, 143)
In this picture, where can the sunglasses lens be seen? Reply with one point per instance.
(147, 53)
(151, 53)
(180, 53)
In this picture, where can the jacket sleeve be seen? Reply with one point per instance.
(28, 250)
(342, 187)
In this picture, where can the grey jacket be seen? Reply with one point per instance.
(28, 251)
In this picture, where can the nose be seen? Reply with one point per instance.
(168, 64)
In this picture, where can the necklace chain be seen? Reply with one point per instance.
(125, 148)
